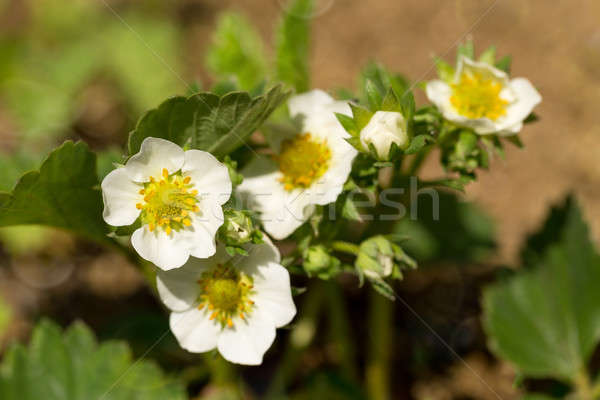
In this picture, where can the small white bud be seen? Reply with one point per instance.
(385, 128)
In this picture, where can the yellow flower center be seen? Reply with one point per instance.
(477, 96)
(226, 292)
(302, 160)
(168, 202)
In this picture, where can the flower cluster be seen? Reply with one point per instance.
(220, 276)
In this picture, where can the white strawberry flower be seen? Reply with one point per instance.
(176, 194)
(310, 166)
(383, 129)
(233, 304)
(483, 98)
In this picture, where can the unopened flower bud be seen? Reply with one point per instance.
(385, 128)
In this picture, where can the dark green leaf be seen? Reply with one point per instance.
(292, 43)
(206, 121)
(504, 64)
(516, 140)
(551, 232)
(546, 320)
(417, 143)
(62, 194)
(533, 117)
(72, 366)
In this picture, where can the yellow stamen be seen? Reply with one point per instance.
(302, 161)
(477, 96)
(168, 202)
(226, 292)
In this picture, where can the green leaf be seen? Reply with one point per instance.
(348, 124)
(407, 102)
(374, 96)
(467, 49)
(382, 79)
(72, 366)
(504, 64)
(292, 44)
(383, 288)
(350, 211)
(361, 115)
(206, 121)
(551, 232)
(546, 320)
(445, 71)
(489, 55)
(237, 50)
(391, 102)
(63, 194)
(533, 117)
(417, 143)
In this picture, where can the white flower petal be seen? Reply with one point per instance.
(487, 70)
(178, 288)
(271, 282)
(309, 102)
(439, 92)
(262, 253)
(209, 176)
(281, 212)
(247, 341)
(165, 251)
(154, 155)
(120, 196)
(194, 331)
(527, 97)
(204, 228)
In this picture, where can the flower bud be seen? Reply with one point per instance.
(379, 258)
(385, 128)
(238, 228)
(318, 262)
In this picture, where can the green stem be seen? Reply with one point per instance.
(380, 347)
(222, 373)
(417, 161)
(345, 247)
(596, 391)
(583, 386)
(339, 329)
